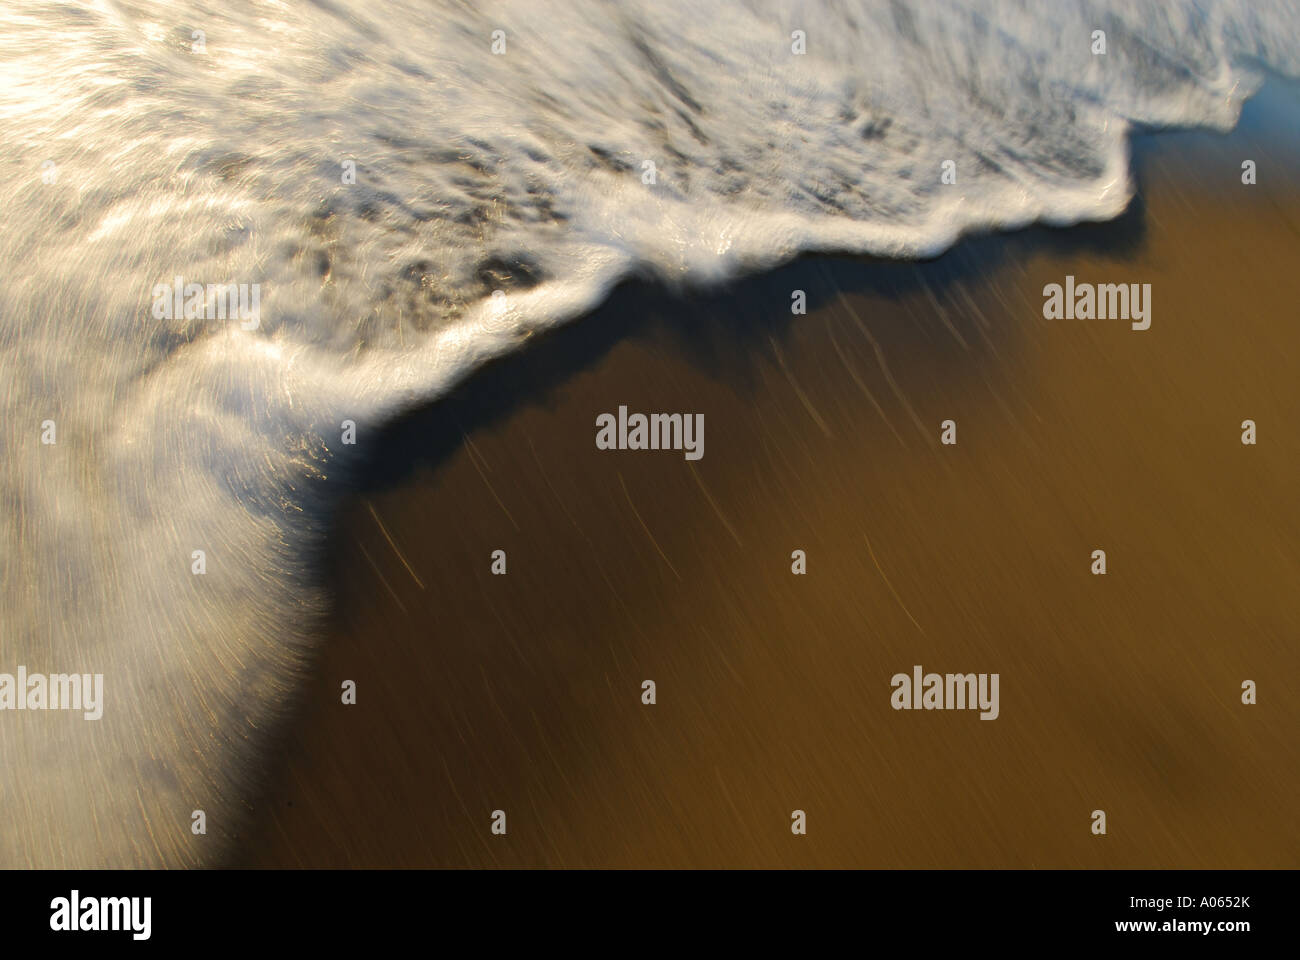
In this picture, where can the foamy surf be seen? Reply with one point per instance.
(145, 141)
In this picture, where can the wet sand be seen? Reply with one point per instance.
(1120, 692)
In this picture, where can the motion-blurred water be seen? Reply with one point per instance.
(144, 141)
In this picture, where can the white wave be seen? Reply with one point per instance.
(475, 172)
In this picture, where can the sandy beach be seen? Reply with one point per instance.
(523, 693)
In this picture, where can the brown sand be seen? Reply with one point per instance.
(1123, 692)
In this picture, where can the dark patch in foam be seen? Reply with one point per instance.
(664, 75)
(876, 129)
(608, 160)
(509, 271)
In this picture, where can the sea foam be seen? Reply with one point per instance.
(137, 149)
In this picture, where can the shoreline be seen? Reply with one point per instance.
(478, 692)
